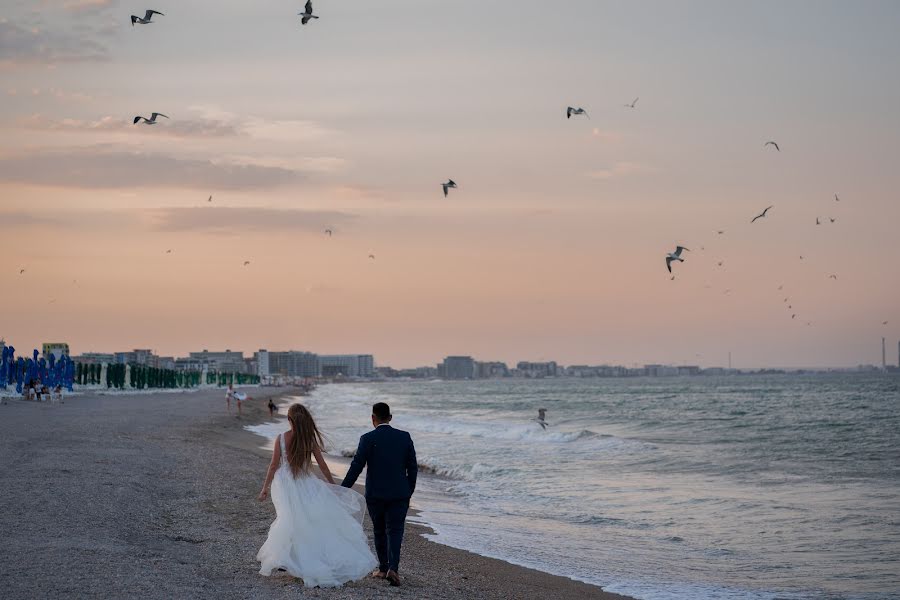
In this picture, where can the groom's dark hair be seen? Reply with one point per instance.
(382, 412)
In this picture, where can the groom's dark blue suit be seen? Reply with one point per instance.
(390, 457)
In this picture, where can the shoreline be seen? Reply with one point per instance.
(420, 530)
(154, 496)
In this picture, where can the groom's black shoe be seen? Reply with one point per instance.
(393, 578)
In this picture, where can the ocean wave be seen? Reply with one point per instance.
(461, 472)
(495, 430)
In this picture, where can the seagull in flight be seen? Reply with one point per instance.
(721, 231)
(836, 199)
(450, 184)
(773, 143)
(210, 199)
(151, 120)
(832, 220)
(328, 232)
(884, 322)
(372, 256)
(147, 16)
(832, 276)
(675, 256)
(21, 271)
(168, 252)
(307, 13)
(761, 215)
(633, 102)
(576, 111)
(246, 263)
(817, 221)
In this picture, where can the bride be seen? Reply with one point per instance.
(317, 534)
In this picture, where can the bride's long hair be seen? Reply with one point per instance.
(305, 441)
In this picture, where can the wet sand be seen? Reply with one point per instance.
(154, 496)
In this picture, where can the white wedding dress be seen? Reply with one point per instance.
(317, 534)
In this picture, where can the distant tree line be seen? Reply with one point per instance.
(142, 377)
(223, 379)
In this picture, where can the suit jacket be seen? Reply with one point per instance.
(390, 457)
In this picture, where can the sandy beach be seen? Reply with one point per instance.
(153, 496)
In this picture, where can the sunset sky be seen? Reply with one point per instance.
(553, 246)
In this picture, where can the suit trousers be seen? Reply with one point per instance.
(388, 519)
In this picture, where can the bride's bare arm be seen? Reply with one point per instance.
(270, 474)
(323, 465)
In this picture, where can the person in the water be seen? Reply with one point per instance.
(542, 418)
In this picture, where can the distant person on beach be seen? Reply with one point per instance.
(390, 457)
(318, 532)
(240, 397)
(542, 418)
(272, 408)
(229, 394)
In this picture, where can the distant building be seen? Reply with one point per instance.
(137, 356)
(226, 362)
(188, 364)
(290, 363)
(262, 362)
(537, 370)
(491, 370)
(57, 349)
(165, 362)
(660, 370)
(458, 367)
(419, 373)
(101, 358)
(346, 365)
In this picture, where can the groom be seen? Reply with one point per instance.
(390, 481)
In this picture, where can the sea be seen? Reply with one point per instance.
(762, 487)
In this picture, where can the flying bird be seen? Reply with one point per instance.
(721, 231)
(836, 199)
(884, 322)
(801, 257)
(450, 184)
(168, 252)
(210, 199)
(372, 256)
(246, 262)
(150, 121)
(832, 276)
(328, 232)
(633, 102)
(147, 16)
(780, 286)
(576, 111)
(307, 13)
(721, 262)
(761, 215)
(832, 220)
(817, 221)
(773, 143)
(675, 256)
(794, 316)
(21, 271)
